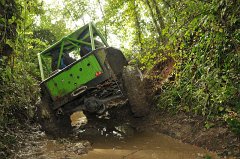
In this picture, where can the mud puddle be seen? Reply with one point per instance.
(39, 146)
(113, 141)
(144, 146)
(109, 141)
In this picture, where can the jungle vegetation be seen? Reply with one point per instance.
(202, 36)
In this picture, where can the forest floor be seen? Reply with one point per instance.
(118, 138)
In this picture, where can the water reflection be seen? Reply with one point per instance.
(149, 146)
(111, 141)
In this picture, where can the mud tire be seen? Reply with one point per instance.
(54, 126)
(91, 117)
(135, 91)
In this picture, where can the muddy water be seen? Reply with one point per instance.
(101, 142)
(134, 145)
(145, 146)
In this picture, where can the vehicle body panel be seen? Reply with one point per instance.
(71, 78)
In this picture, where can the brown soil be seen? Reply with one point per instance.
(155, 77)
(34, 144)
(192, 130)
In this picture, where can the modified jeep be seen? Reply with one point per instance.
(82, 73)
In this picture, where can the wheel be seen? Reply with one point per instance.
(134, 90)
(91, 117)
(50, 123)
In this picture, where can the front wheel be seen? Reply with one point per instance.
(134, 90)
(50, 123)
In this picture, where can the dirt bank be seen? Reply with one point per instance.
(192, 129)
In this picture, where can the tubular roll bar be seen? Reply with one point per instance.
(73, 40)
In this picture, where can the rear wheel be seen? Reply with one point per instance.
(50, 123)
(135, 92)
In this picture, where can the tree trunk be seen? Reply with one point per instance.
(154, 19)
(137, 25)
(160, 20)
(105, 26)
(159, 15)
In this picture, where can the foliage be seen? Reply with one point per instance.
(208, 68)
(234, 125)
(201, 36)
(19, 92)
(18, 68)
(9, 14)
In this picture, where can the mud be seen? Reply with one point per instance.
(192, 130)
(144, 145)
(38, 146)
(105, 138)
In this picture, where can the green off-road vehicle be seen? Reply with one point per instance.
(82, 73)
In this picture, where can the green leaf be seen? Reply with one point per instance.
(2, 21)
(220, 108)
(3, 2)
(208, 125)
(12, 20)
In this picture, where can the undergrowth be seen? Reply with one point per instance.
(207, 70)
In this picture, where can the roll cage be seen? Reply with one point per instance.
(73, 41)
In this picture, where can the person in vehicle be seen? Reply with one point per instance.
(85, 49)
(67, 60)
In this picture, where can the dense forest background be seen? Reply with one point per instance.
(202, 36)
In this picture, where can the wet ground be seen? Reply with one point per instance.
(154, 146)
(102, 141)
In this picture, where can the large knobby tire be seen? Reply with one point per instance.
(53, 125)
(135, 92)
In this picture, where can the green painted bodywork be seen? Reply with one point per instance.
(71, 42)
(73, 78)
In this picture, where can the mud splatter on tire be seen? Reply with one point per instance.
(134, 89)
